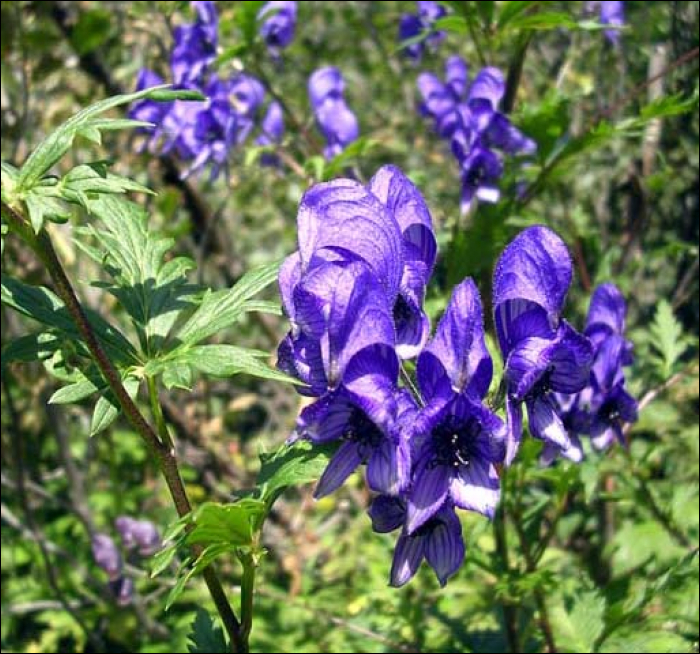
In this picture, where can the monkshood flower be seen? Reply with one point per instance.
(107, 555)
(606, 317)
(419, 248)
(344, 307)
(279, 22)
(195, 46)
(608, 403)
(388, 226)
(439, 540)
(334, 118)
(543, 354)
(467, 114)
(141, 534)
(611, 13)
(123, 590)
(413, 25)
(456, 440)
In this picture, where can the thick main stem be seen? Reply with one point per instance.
(162, 451)
(249, 563)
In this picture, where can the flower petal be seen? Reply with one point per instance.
(514, 423)
(388, 468)
(546, 424)
(444, 547)
(490, 85)
(407, 558)
(476, 487)
(535, 267)
(387, 513)
(459, 346)
(344, 462)
(430, 486)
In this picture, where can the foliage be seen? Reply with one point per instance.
(175, 277)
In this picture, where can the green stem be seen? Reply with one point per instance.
(531, 567)
(157, 411)
(510, 610)
(163, 452)
(250, 564)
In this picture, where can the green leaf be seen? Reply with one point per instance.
(229, 360)
(578, 628)
(32, 347)
(246, 17)
(153, 292)
(651, 641)
(222, 309)
(107, 408)
(233, 524)
(43, 305)
(162, 559)
(177, 375)
(292, 465)
(206, 636)
(667, 338)
(508, 11)
(543, 20)
(54, 146)
(41, 208)
(452, 23)
(348, 157)
(74, 392)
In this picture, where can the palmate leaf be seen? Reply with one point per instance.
(152, 290)
(206, 636)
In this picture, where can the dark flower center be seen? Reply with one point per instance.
(610, 411)
(402, 311)
(361, 430)
(475, 176)
(542, 386)
(454, 442)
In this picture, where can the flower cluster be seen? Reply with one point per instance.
(354, 294)
(601, 409)
(412, 26)
(139, 535)
(203, 134)
(334, 118)
(467, 116)
(279, 21)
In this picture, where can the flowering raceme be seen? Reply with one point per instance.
(354, 291)
(600, 410)
(467, 116)
(334, 118)
(204, 134)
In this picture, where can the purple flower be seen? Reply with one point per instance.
(123, 590)
(606, 317)
(106, 555)
(277, 28)
(142, 534)
(271, 132)
(334, 118)
(345, 308)
(419, 248)
(195, 45)
(456, 440)
(543, 354)
(439, 540)
(413, 25)
(468, 116)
